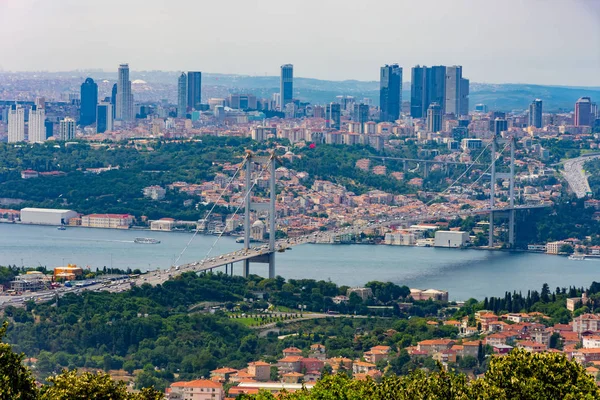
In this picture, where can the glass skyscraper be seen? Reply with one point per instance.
(390, 92)
(124, 106)
(89, 100)
(535, 113)
(182, 96)
(194, 90)
(286, 85)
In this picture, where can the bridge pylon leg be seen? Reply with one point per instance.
(511, 228)
(272, 266)
(246, 268)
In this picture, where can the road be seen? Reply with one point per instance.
(575, 175)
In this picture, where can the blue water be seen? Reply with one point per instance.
(463, 273)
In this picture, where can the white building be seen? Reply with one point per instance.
(154, 192)
(16, 124)
(451, 238)
(66, 130)
(37, 128)
(46, 216)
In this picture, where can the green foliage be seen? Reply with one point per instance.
(16, 381)
(519, 375)
(70, 385)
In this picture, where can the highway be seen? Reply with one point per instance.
(575, 175)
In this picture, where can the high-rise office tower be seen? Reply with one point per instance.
(104, 118)
(334, 113)
(40, 102)
(124, 107)
(286, 85)
(453, 90)
(194, 90)
(182, 96)
(583, 112)
(535, 113)
(37, 127)
(595, 112)
(434, 117)
(89, 100)
(113, 101)
(435, 86)
(418, 96)
(66, 130)
(361, 114)
(464, 96)
(390, 92)
(500, 125)
(16, 124)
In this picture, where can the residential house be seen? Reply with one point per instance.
(339, 362)
(532, 347)
(470, 348)
(377, 353)
(222, 374)
(289, 364)
(586, 322)
(292, 351)
(434, 345)
(260, 370)
(311, 364)
(317, 350)
(591, 342)
(361, 367)
(200, 389)
(312, 376)
(292, 377)
(445, 356)
(540, 335)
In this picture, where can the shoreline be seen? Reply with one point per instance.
(145, 229)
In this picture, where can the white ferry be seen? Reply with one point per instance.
(576, 257)
(146, 241)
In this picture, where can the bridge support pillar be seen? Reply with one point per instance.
(491, 230)
(511, 228)
(226, 269)
(425, 170)
(246, 268)
(272, 266)
(404, 166)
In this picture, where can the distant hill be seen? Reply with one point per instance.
(501, 97)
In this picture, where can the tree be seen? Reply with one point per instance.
(16, 381)
(566, 248)
(69, 385)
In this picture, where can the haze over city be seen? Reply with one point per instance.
(511, 41)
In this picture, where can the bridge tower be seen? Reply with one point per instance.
(511, 178)
(269, 257)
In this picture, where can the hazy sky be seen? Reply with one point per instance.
(521, 41)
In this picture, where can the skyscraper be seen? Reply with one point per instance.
(286, 85)
(194, 90)
(89, 100)
(434, 117)
(583, 112)
(390, 92)
(37, 127)
(435, 86)
(360, 113)
(113, 101)
(124, 106)
(104, 118)
(334, 114)
(182, 96)
(500, 125)
(464, 96)
(417, 92)
(66, 129)
(16, 124)
(453, 90)
(535, 113)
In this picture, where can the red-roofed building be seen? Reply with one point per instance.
(260, 370)
(434, 345)
(113, 221)
(222, 374)
(200, 389)
(292, 351)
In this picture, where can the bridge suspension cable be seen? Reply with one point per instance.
(461, 175)
(490, 166)
(212, 208)
(244, 199)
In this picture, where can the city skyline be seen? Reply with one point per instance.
(509, 59)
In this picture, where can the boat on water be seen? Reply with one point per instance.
(576, 257)
(61, 228)
(141, 240)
